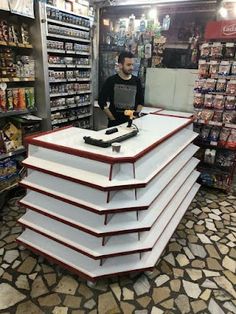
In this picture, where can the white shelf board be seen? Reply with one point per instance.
(121, 244)
(67, 11)
(153, 130)
(68, 24)
(119, 222)
(114, 265)
(68, 38)
(81, 194)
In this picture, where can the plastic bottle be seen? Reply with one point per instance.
(142, 25)
(166, 23)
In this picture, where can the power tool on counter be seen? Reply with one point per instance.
(131, 114)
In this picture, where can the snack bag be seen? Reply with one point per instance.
(224, 68)
(216, 50)
(208, 102)
(203, 68)
(198, 100)
(231, 142)
(218, 102)
(3, 101)
(229, 117)
(205, 50)
(221, 85)
(229, 50)
(214, 67)
(231, 87)
(224, 134)
(230, 103)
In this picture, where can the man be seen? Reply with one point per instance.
(123, 90)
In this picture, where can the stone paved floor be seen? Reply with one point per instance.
(196, 273)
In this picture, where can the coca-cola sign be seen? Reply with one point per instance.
(229, 30)
(220, 30)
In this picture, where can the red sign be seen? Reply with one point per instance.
(220, 30)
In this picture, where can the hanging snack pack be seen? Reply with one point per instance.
(205, 131)
(214, 134)
(198, 101)
(218, 102)
(230, 103)
(229, 117)
(221, 85)
(229, 50)
(224, 134)
(224, 68)
(210, 85)
(208, 102)
(199, 84)
(231, 143)
(231, 87)
(214, 67)
(205, 50)
(207, 115)
(217, 116)
(203, 67)
(233, 68)
(216, 50)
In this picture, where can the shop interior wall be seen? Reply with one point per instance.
(187, 20)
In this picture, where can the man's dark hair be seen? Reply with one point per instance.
(123, 55)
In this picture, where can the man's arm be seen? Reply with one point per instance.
(103, 97)
(139, 96)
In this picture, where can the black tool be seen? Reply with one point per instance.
(111, 131)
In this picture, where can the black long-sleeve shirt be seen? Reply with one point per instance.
(122, 95)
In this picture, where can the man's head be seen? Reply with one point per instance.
(126, 62)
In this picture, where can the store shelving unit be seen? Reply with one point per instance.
(215, 114)
(100, 213)
(66, 58)
(15, 41)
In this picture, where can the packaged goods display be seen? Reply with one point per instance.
(13, 65)
(215, 113)
(17, 99)
(14, 33)
(69, 68)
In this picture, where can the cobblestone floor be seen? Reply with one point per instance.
(195, 274)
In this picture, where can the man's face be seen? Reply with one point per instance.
(128, 66)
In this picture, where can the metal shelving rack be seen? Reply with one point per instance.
(79, 112)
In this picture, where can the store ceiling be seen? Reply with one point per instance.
(148, 2)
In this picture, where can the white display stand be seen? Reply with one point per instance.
(101, 213)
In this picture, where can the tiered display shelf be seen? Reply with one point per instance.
(100, 213)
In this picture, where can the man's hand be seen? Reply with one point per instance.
(109, 114)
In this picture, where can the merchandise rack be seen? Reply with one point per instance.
(16, 48)
(100, 213)
(61, 80)
(213, 174)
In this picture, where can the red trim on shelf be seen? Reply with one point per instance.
(172, 115)
(101, 157)
(109, 211)
(79, 181)
(76, 271)
(74, 225)
(80, 250)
